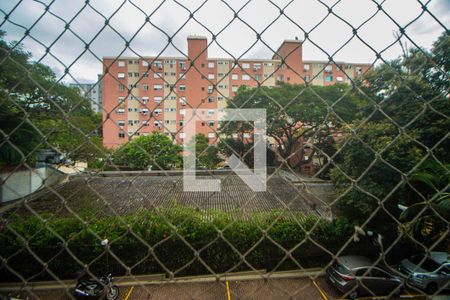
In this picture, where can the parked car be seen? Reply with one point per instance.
(428, 272)
(356, 275)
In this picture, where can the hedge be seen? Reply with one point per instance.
(148, 242)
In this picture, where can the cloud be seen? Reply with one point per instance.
(127, 22)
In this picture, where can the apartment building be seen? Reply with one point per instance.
(147, 94)
(92, 91)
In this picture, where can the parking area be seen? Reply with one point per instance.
(273, 288)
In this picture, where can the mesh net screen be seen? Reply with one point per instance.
(95, 99)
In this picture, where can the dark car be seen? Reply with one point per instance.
(356, 275)
(429, 272)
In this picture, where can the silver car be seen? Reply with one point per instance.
(356, 276)
(428, 272)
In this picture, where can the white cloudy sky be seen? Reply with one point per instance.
(166, 18)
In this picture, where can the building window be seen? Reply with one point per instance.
(220, 98)
(182, 135)
(121, 123)
(120, 111)
(211, 135)
(121, 135)
(145, 63)
(182, 76)
(182, 87)
(339, 78)
(144, 100)
(121, 75)
(256, 67)
(121, 63)
(306, 68)
(257, 77)
(234, 76)
(130, 122)
(210, 89)
(182, 112)
(158, 64)
(234, 88)
(145, 87)
(210, 65)
(157, 111)
(182, 65)
(210, 76)
(157, 87)
(145, 75)
(329, 78)
(121, 99)
(280, 78)
(329, 69)
(130, 74)
(144, 111)
(211, 99)
(157, 99)
(121, 87)
(157, 75)
(211, 111)
(245, 66)
(210, 123)
(136, 74)
(358, 70)
(181, 123)
(268, 64)
(145, 123)
(306, 78)
(183, 101)
(245, 77)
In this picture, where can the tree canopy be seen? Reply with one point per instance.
(155, 150)
(38, 111)
(404, 138)
(297, 112)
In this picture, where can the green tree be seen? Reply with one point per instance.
(243, 150)
(425, 219)
(156, 150)
(207, 155)
(374, 158)
(404, 142)
(31, 95)
(296, 112)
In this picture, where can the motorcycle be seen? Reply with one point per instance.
(102, 287)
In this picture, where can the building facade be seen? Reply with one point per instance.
(147, 94)
(92, 91)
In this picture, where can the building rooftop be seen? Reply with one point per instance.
(126, 194)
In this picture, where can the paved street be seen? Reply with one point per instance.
(273, 288)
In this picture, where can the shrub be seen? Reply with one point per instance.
(177, 240)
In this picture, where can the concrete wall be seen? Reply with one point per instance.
(22, 183)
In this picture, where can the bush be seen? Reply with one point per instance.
(179, 240)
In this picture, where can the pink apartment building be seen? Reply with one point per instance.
(150, 94)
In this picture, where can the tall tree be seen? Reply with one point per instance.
(207, 155)
(296, 113)
(155, 150)
(31, 96)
